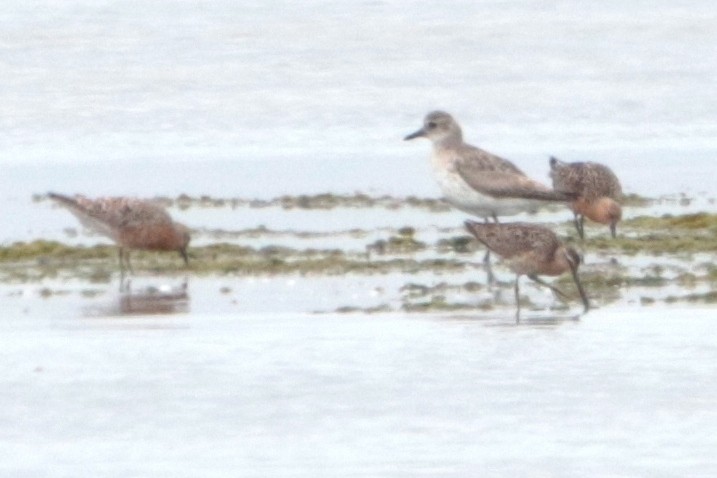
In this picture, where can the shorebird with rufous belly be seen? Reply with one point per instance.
(130, 222)
(476, 181)
(596, 189)
(531, 250)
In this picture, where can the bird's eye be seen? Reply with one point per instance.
(431, 125)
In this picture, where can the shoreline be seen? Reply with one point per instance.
(663, 259)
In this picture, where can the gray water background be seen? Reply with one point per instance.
(257, 100)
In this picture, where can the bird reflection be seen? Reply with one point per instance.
(164, 299)
(493, 319)
(152, 300)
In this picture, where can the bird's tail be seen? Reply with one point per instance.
(64, 200)
(478, 229)
(82, 208)
(555, 163)
(550, 195)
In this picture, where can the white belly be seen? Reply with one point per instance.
(462, 196)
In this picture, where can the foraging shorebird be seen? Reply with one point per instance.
(476, 181)
(131, 223)
(597, 192)
(530, 250)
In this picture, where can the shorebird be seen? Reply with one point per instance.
(596, 189)
(476, 181)
(530, 250)
(131, 223)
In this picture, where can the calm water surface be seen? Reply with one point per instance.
(321, 94)
(615, 393)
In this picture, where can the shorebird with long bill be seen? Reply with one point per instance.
(596, 190)
(531, 250)
(130, 222)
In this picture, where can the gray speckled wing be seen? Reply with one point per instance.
(476, 159)
(499, 178)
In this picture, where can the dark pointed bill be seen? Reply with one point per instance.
(418, 134)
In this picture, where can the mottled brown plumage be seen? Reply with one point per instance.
(531, 250)
(596, 189)
(131, 223)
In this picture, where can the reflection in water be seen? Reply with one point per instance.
(164, 299)
(153, 300)
(546, 320)
(508, 320)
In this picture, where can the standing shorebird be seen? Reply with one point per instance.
(131, 223)
(530, 250)
(476, 181)
(596, 189)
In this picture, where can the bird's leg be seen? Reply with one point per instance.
(124, 261)
(613, 229)
(488, 268)
(579, 225)
(124, 286)
(540, 281)
(517, 299)
(486, 259)
(129, 264)
(121, 261)
(125, 283)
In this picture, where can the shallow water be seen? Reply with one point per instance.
(326, 92)
(615, 393)
(236, 376)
